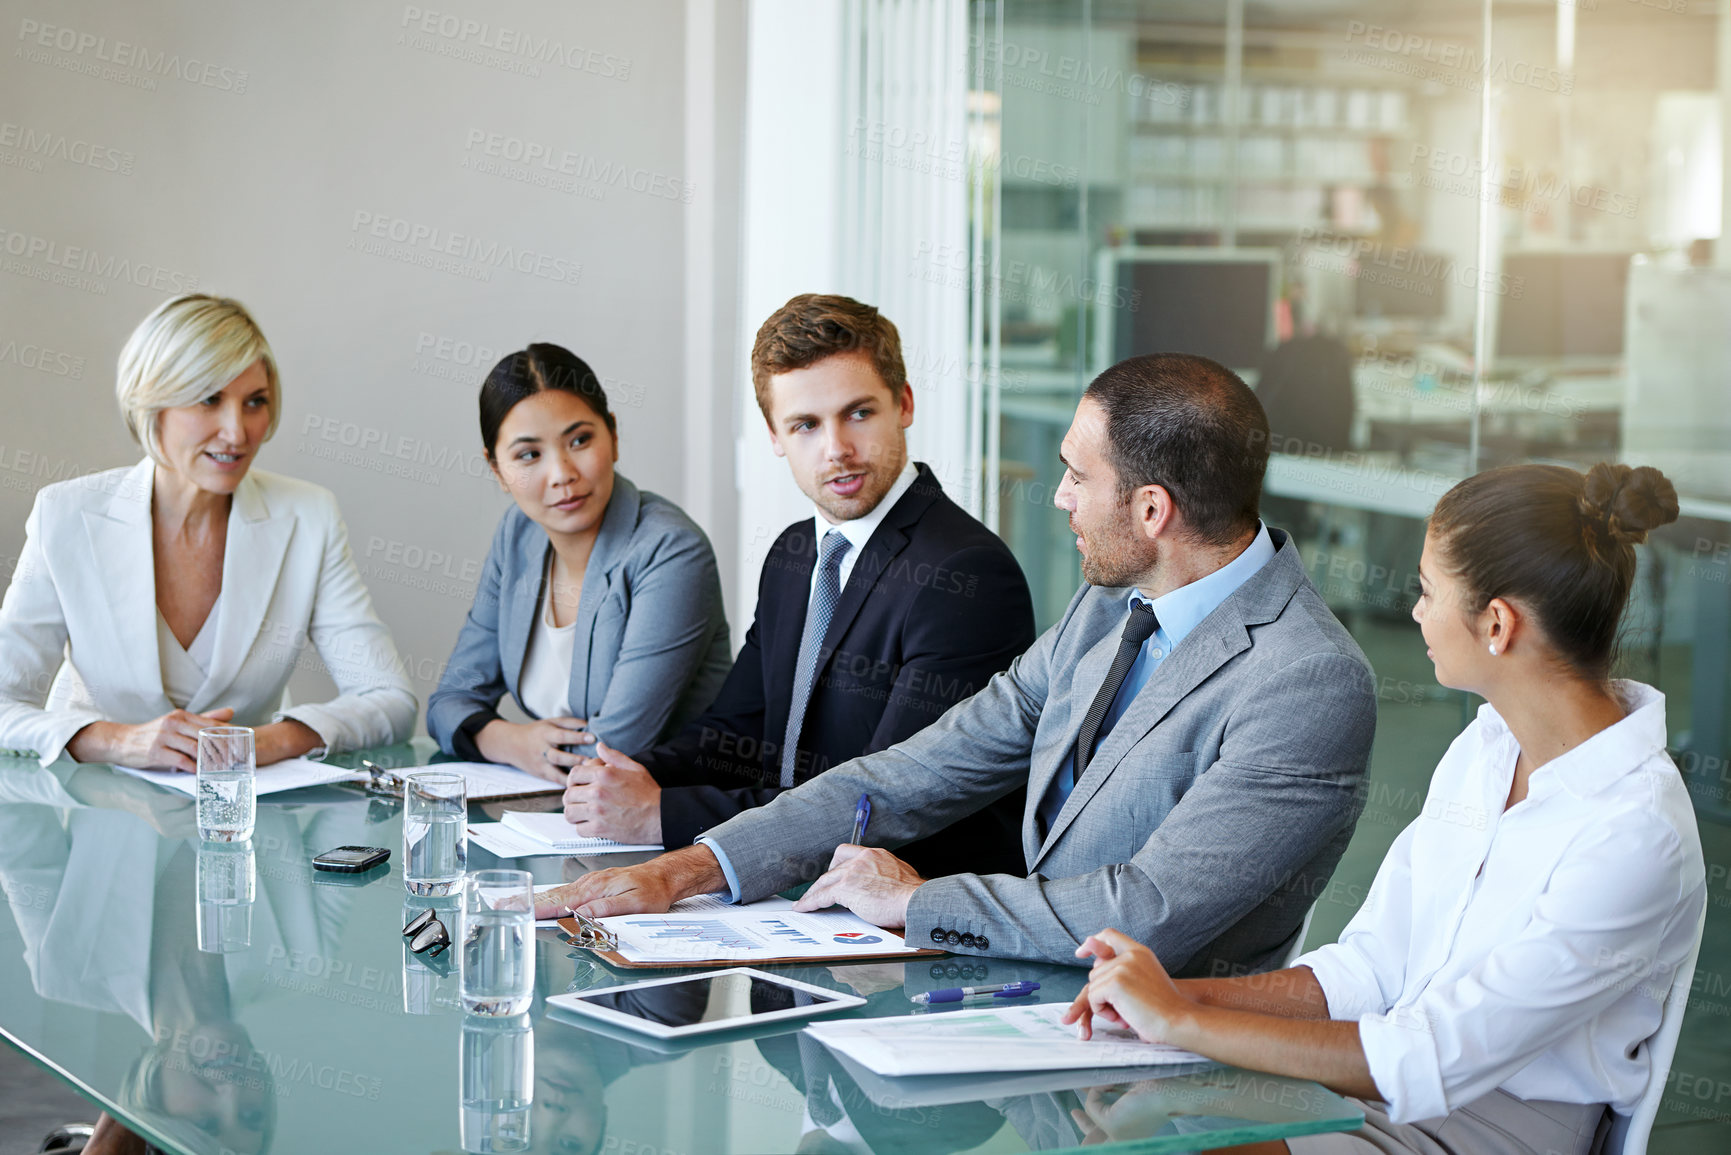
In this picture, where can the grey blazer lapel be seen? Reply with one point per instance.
(520, 599)
(612, 543)
(1219, 637)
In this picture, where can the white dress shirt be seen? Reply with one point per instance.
(1530, 949)
(184, 668)
(859, 531)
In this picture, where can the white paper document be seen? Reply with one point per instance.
(502, 840)
(289, 774)
(486, 779)
(705, 928)
(994, 1039)
(548, 831)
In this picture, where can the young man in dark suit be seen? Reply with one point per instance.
(887, 607)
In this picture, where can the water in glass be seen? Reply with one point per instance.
(498, 942)
(437, 853)
(435, 833)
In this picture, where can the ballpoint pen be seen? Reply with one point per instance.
(956, 994)
(861, 815)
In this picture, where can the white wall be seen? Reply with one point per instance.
(790, 237)
(257, 150)
(855, 182)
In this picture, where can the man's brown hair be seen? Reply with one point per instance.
(813, 326)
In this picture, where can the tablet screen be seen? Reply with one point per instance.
(733, 997)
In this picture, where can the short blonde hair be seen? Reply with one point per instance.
(186, 350)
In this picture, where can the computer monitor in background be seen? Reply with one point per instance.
(1414, 288)
(1562, 305)
(1218, 303)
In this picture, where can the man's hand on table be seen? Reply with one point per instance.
(868, 880)
(647, 888)
(611, 796)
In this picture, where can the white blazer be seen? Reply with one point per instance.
(85, 589)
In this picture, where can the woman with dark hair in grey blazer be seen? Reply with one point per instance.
(599, 608)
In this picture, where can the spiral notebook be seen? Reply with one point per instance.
(550, 830)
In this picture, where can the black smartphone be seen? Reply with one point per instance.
(351, 859)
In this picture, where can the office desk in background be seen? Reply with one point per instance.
(324, 1034)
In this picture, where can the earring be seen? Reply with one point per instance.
(1493, 650)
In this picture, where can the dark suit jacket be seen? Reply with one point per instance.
(934, 606)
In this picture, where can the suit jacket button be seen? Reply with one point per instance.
(968, 940)
(954, 938)
(981, 942)
(938, 935)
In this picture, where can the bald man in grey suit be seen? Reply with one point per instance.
(1193, 732)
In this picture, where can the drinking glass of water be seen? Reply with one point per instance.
(498, 942)
(227, 801)
(435, 833)
(497, 1071)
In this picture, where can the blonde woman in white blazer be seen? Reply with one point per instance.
(182, 592)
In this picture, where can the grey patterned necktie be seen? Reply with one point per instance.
(1138, 628)
(826, 591)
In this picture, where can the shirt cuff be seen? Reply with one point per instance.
(464, 743)
(1350, 994)
(1400, 1051)
(733, 890)
(317, 753)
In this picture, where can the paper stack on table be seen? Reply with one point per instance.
(524, 835)
(994, 1039)
(289, 774)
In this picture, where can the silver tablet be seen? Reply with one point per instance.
(685, 1005)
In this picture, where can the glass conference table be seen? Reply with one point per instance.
(300, 1023)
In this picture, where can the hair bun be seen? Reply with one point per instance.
(1622, 504)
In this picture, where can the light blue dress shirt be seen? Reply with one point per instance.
(1179, 612)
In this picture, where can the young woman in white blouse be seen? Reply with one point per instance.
(181, 592)
(1515, 950)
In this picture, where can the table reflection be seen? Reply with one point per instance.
(122, 910)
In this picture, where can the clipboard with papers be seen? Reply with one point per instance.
(706, 931)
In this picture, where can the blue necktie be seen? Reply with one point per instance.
(826, 591)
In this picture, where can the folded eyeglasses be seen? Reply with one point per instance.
(426, 933)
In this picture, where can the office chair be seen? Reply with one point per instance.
(1629, 1133)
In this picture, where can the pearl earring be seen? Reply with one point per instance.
(1493, 651)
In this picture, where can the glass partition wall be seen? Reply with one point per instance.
(1435, 238)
